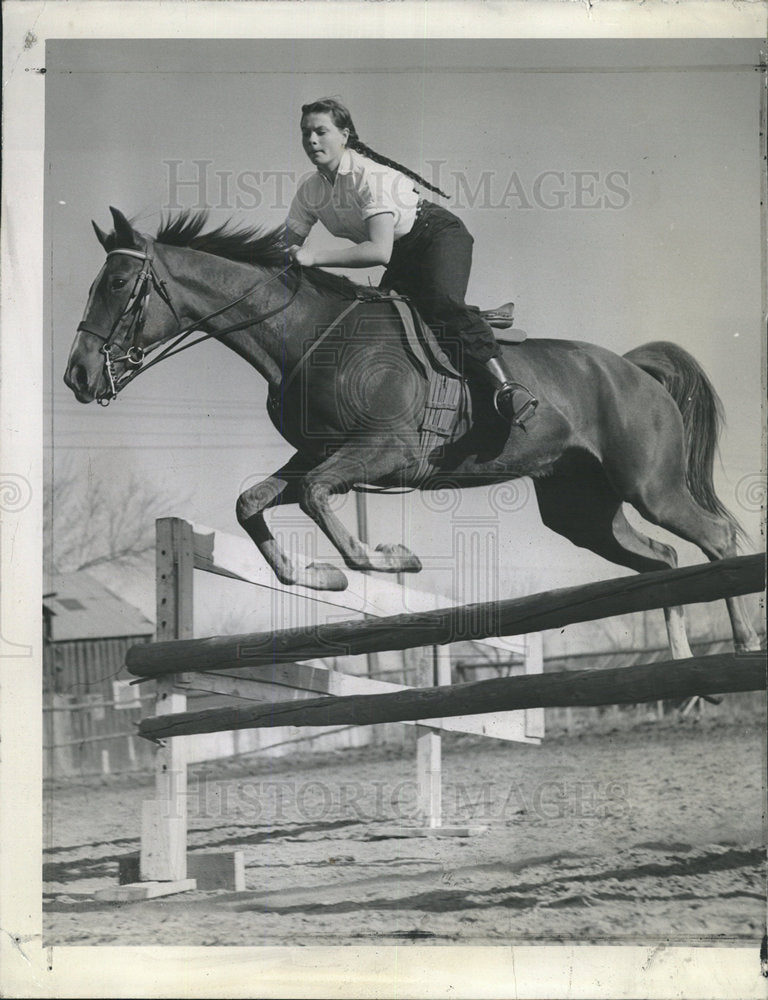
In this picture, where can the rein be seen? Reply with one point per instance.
(134, 313)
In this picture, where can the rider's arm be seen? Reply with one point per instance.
(293, 239)
(376, 249)
(299, 222)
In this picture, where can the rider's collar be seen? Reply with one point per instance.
(346, 166)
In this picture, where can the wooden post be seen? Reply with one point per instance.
(371, 659)
(428, 776)
(429, 767)
(429, 750)
(534, 664)
(164, 819)
(62, 740)
(163, 857)
(164, 824)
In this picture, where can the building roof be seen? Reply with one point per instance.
(82, 608)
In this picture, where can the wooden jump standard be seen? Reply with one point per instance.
(534, 613)
(164, 864)
(624, 685)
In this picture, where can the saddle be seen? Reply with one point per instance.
(448, 396)
(448, 408)
(500, 318)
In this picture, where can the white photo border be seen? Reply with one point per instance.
(26, 968)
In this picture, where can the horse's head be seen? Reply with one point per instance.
(118, 325)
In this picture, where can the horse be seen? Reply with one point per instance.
(640, 429)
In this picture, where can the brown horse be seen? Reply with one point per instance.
(640, 428)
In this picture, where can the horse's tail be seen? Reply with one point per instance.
(702, 412)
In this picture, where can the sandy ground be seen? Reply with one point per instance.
(650, 835)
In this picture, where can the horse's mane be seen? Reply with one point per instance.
(246, 244)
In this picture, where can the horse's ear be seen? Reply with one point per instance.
(101, 236)
(125, 234)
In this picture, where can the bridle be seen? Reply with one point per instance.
(130, 322)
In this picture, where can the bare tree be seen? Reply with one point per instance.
(90, 520)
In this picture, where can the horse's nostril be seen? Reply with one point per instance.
(77, 378)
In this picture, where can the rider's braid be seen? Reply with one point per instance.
(360, 147)
(343, 119)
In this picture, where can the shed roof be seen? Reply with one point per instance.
(82, 608)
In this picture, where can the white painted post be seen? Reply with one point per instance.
(164, 818)
(534, 664)
(163, 855)
(429, 776)
(429, 764)
(378, 734)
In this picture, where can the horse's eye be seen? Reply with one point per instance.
(117, 284)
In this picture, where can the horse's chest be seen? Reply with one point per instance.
(309, 423)
(346, 389)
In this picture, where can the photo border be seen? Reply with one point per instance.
(26, 968)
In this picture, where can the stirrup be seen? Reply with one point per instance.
(526, 411)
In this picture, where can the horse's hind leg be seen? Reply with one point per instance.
(283, 488)
(578, 502)
(675, 509)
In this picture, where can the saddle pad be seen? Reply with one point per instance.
(448, 401)
(513, 336)
(422, 342)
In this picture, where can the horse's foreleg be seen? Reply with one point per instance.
(283, 488)
(355, 463)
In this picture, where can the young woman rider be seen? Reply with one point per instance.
(370, 200)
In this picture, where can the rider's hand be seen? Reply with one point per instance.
(301, 255)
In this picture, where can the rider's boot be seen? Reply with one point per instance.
(513, 401)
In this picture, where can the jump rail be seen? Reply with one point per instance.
(624, 685)
(534, 613)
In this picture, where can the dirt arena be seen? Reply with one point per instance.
(649, 834)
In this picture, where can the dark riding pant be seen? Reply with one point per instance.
(431, 266)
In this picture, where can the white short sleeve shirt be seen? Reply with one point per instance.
(361, 189)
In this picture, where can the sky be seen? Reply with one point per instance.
(612, 188)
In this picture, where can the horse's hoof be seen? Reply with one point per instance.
(323, 576)
(398, 559)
